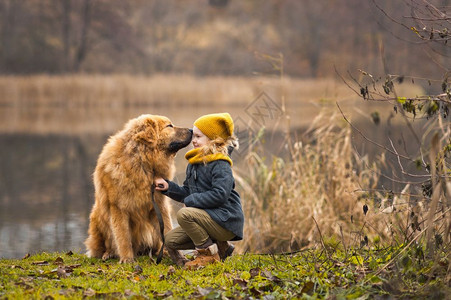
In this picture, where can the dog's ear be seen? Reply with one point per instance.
(146, 134)
(143, 137)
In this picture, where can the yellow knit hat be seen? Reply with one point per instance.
(214, 125)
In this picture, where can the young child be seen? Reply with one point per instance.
(212, 215)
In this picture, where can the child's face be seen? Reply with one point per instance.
(199, 139)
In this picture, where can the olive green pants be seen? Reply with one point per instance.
(196, 227)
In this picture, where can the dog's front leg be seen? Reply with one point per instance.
(122, 236)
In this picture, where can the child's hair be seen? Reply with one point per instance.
(221, 145)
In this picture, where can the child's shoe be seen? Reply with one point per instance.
(225, 249)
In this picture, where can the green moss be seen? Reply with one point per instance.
(305, 275)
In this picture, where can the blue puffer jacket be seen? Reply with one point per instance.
(211, 187)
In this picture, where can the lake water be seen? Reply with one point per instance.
(48, 154)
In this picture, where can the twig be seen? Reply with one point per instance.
(388, 16)
(321, 237)
(396, 193)
(343, 242)
(274, 259)
(401, 166)
(391, 178)
(436, 188)
(369, 140)
(345, 82)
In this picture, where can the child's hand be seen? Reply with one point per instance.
(161, 184)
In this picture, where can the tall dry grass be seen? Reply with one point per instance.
(318, 191)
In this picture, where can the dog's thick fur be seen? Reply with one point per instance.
(123, 222)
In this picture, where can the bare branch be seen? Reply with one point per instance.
(369, 140)
(401, 166)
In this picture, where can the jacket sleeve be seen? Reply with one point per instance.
(177, 192)
(222, 185)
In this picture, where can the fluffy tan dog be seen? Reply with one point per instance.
(123, 222)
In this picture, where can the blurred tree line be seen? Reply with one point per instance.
(215, 37)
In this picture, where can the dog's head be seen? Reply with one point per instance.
(158, 133)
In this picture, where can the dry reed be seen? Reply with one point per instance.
(318, 186)
(98, 90)
(323, 190)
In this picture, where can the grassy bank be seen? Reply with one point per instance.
(310, 274)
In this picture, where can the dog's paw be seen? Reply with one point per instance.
(126, 260)
(107, 255)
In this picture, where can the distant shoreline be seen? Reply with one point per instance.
(101, 104)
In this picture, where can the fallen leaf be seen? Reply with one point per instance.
(16, 267)
(240, 282)
(205, 291)
(308, 287)
(24, 285)
(165, 295)
(26, 256)
(58, 261)
(255, 292)
(266, 287)
(70, 253)
(254, 272)
(89, 292)
(48, 274)
(138, 269)
(114, 295)
(268, 275)
(66, 292)
(40, 263)
(70, 268)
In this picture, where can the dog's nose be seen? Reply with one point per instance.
(191, 130)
